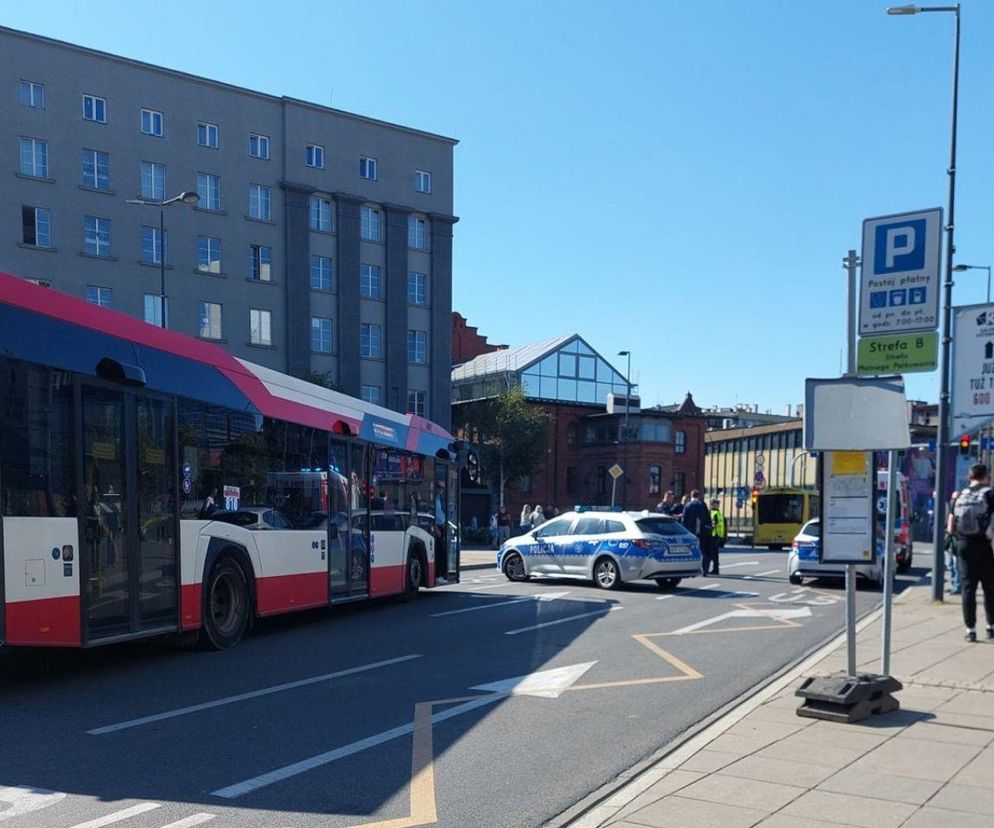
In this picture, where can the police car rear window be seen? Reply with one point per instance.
(661, 526)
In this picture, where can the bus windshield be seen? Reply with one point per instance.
(781, 508)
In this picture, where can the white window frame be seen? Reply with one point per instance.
(417, 288)
(96, 103)
(155, 118)
(260, 196)
(417, 233)
(417, 347)
(261, 141)
(314, 156)
(318, 267)
(213, 250)
(35, 97)
(370, 335)
(321, 214)
(96, 236)
(367, 168)
(370, 225)
(209, 190)
(419, 400)
(104, 296)
(90, 159)
(152, 167)
(34, 162)
(260, 326)
(160, 246)
(260, 263)
(208, 135)
(324, 332)
(209, 322)
(371, 394)
(370, 276)
(42, 218)
(155, 317)
(422, 181)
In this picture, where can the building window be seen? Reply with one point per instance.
(369, 340)
(259, 146)
(679, 484)
(416, 403)
(422, 181)
(367, 168)
(98, 296)
(95, 109)
(417, 347)
(261, 262)
(680, 446)
(152, 122)
(320, 335)
(36, 223)
(153, 312)
(153, 184)
(259, 202)
(369, 281)
(525, 484)
(571, 480)
(209, 190)
(96, 166)
(371, 394)
(208, 254)
(32, 94)
(96, 236)
(321, 214)
(601, 481)
(34, 157)
(259, 327)
(417, 288)
(209, 320)
(151, 245)
(370, 225)
(314, 156)
(321, 274)
(655, 476)
(417, 233)
(207, 135)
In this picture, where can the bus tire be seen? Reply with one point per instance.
(414, 575)
(226, 605)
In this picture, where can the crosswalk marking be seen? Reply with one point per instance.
(119, 816)
(190, 821)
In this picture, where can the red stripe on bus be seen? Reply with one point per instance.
(190, 607)
(386, 580)
(47, 622)
(287, 593)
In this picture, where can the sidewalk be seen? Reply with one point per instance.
(927, 765)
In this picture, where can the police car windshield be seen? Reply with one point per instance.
(661, 526)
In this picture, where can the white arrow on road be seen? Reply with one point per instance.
(20, 801)
(775, 614)
(545, 596)
(547, 684)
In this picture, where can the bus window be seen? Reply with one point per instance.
(781, 508)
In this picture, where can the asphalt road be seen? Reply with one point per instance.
(396, 715)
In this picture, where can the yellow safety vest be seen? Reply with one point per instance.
(717, 523)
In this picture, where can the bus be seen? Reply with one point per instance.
(151, 483)
(779, 513)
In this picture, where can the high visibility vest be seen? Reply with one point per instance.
(718, 523)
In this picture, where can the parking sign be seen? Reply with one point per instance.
(899, 288)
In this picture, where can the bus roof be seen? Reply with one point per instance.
(47, 327)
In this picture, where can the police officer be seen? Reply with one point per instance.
(696, 517)
(718, 532)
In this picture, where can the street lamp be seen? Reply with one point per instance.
(186, 197)
(942, 492)
(628, 382)
(961, 267)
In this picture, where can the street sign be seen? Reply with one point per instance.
(898, 354)
(759, 480)
(760, 460)
(615, 471)
(972, 364)
(847, 507)
(899, 287)
(742, 493)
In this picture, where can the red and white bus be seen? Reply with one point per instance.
(151, 483)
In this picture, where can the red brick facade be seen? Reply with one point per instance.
(466, 342)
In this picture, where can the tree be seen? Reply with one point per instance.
(511, 434)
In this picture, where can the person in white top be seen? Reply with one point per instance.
(537, 517)
(525, 522)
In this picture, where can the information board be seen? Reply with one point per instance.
(847, 508)
(972, 363)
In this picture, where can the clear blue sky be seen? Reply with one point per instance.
(678, 179)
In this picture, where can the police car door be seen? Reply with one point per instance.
(547, 539)
(575, 557)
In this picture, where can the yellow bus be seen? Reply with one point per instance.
(779, 513)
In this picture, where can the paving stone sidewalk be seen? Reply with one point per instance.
(927, 765)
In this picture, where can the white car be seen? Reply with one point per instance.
(805, 552)
(606, 547)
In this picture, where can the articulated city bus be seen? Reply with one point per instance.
(151, 483)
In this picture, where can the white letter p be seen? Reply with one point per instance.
(900, 242)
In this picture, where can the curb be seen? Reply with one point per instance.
(598, 807)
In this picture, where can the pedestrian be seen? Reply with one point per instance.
(679, 507)
(441, 533)
(525, 521)
(537, 517)
(503, 525)
(970, 521)
(697, 519)
(952, 560)
(555, 511)
(665, 506)
(493, 531)
(719, 534)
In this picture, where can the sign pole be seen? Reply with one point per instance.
(851, 262)
(614, 486)
(888, 561)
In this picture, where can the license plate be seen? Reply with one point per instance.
(677, 551)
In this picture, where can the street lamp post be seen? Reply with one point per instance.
(941, 489)
(628, 400)
(187, 198)
(961, 267)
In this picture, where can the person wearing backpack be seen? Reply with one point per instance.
(970, 521)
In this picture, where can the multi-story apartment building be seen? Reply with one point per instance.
(321, 242)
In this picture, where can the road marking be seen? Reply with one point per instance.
(278, 775)
(22, 800)
(687, 673)
(740, 563)
(562, 620)
(768, 572)
(490, 586)
(545, 596)
(265, 691)
(781, 615)
(546, 684)
(190, 821)
(119, 816)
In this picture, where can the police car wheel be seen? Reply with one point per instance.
(795, 579)
(606, 574)
(666, 584)
(514, 568)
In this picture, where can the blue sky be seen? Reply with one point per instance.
(678, 179)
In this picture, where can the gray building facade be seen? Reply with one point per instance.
(321, 243)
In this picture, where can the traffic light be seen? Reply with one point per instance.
(964, 444)
(755, 496)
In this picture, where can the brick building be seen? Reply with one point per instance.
(583, 398)
(467, 342)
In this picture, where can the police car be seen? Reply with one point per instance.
(805, 551)
(606, 547)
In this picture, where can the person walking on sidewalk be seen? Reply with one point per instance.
(697, 519)
(952, 560)
(503, 525)
(970, 521)
(719, 534)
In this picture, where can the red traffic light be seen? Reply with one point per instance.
(964, 444)
(755, 494)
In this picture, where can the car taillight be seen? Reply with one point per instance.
(641, 543)
(793, 546)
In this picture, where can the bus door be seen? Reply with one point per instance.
(129, 554)
(362, 553)
(454, 512)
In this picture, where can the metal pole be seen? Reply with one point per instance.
(614, 486)
(850, 620)
(851, 261)
(941, 488)
(888, 561)
(162, 266)
(988, 284)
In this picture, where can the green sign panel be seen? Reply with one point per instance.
(898, 354)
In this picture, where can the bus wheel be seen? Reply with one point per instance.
(415, 575)
(514, 568)
(226, 605)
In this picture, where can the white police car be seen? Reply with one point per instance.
(607, 547)
(805, 553)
